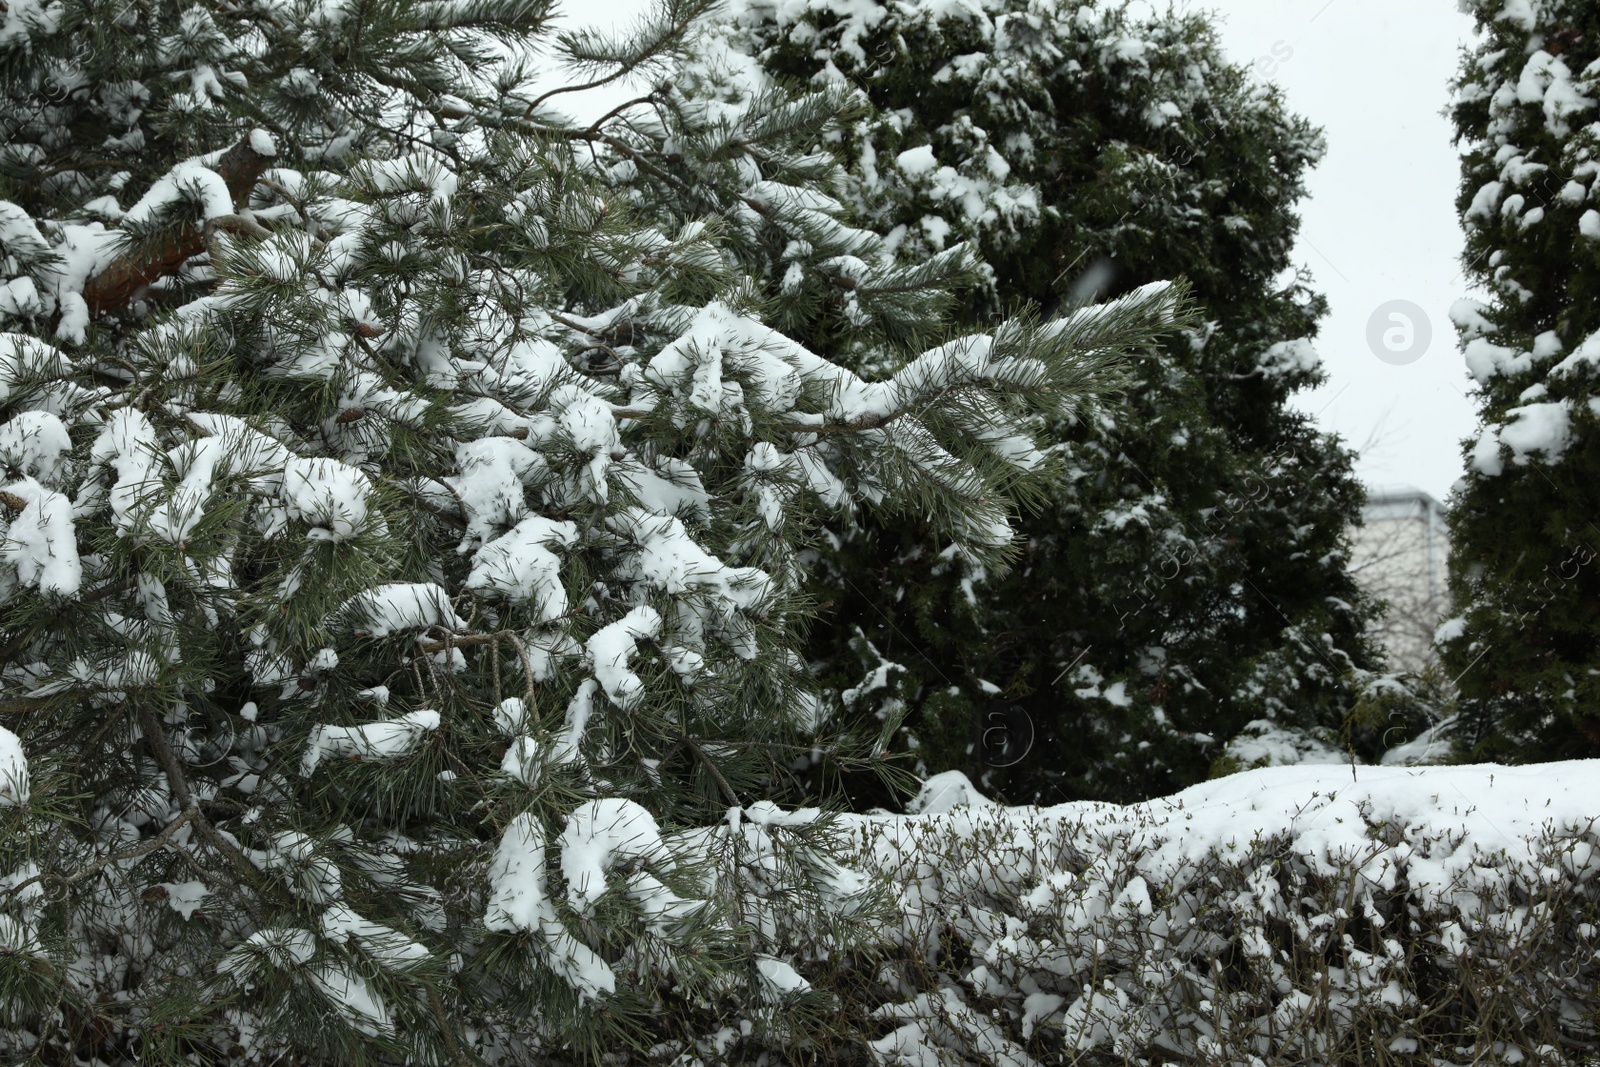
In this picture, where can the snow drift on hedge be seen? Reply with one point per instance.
(1289, 914)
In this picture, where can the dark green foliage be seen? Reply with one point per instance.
(1186, 574)
(1524, 519)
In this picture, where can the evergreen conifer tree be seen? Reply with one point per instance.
(1182, 593)
(401, 526)
(1523, 520)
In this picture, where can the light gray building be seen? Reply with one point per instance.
(1399, 556)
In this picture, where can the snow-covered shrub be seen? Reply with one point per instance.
(1280, 916)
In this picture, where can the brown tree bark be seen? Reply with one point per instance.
(115, 287)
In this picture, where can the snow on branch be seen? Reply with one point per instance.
(222, 186)
(388, 739)
(13, 770)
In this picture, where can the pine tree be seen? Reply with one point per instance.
(1523, 519)
(400, 581)
(1184, 585)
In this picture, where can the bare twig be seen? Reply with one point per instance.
(716, 775)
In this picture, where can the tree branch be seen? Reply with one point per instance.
(155, 844)
(16, 644)
(233, 224)
(156, 735)
(115, 287)
(716, 774)
(594, 127)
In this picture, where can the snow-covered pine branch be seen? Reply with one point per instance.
(1183, 573)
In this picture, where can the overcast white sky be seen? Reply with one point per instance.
(1379, 225)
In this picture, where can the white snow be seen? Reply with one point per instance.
(19, 298)
(13, 770)
(613, 646)
(947, 791)
(19, 234)
(80, 251)
(330, 495)
(1539, 428)
(27, 359)
(516, 879)
(490, 485)
(1547, 80)
(1324, 811)
(186, 181)
(1290, 357)
(592, 429)
(521, 760)
(401, 606)
(1485, 202)
(1585, 355)
(579, 709)
(917, 162)
(387, 739)
(283, 948)
(391, 948)
(18, 936)
(1263, 743)
(41, 543)
(1431, 746)
(673, 561)
(353, 997)
(185, 898)
(417, 171)
(1464, 842)
(1543, 427)
(1486, 455)
(128, 444)
(33, 443)
(1470, 317)
(780, 977)
(74, 324)
(520, 566)
(511, 716)
(519, 901)
(669, 487)
(598, 834)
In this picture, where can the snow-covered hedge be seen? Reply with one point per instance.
(1287, 915)
(1280, 916)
